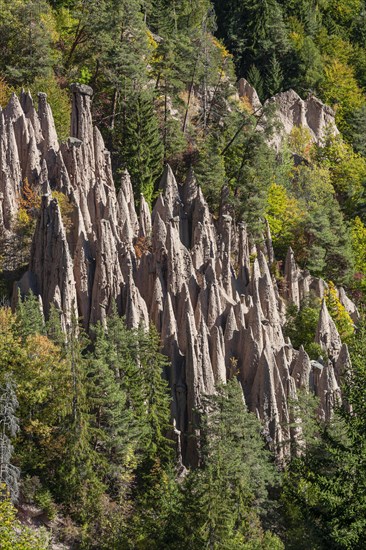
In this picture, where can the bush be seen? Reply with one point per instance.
(43, 499)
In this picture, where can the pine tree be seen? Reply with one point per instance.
(134, 356)
(54, 327)
(29, 316)
(223, 498)
(255, 79)
(357, 134)
(265, 31)
(156, 394)
(26, 40)
(324, 489)
(113, 429)
(274, 81)
(140, 144)
(129, 417)
(301, 325)
(9, 426)
(249, 165)
(210, 172)
(325, 247)
(77, 482)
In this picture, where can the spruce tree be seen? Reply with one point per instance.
(29, 316)
(112, 428)
(324, 490)
(134, 355)
(9, 426)
(78, 483)
(156, 394)
(223, 498)
(140, 144)
(274, 80)
(54, 327)
(255, 79)
(26, 40)
(249, 164)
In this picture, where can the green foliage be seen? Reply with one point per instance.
(210, 172)
(223, 498)
(264, 38)
(340, 86)
(9, 427)
(300, 141)
(140, 144)
(324, 488)
(356, 132)
(249, 164)
(94, 414)
(285, 218)
(44, 500)
(29, 316)
(358, 239)
(301, 325)
(94, 420)
(14, 535)
(157, 523)
(325, 247)
(274, 78)
(347, 170)
(338, 312)
(27, 40)
(311, 47)
(310, 69)
(255, 78)
(59, 100)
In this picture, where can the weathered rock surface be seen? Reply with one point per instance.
(219, 312)
(310, 113)
(51, 270)
(292, 111)
(247, 91)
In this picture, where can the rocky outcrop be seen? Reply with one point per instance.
(208, 290)
(327, 334)
(310, 113)
(250, 94)
(291, 111)
(51, 273)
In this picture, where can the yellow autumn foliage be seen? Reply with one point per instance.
(338, 312)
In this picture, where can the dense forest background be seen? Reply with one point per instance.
(85, 423)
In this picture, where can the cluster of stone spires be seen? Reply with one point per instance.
(219, 311)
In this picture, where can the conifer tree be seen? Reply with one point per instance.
(324, 491)
(77, 482)
(224, 496)
(249, 165)
(9, 426)
(140, 144)
(254, 78)
(54, 327)
(156, 393)
(113, 429)
(26, 40)
(138, 365)
(210, 172)
(29, 316)
(274, 80)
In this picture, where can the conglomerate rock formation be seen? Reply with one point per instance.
(203, 283)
